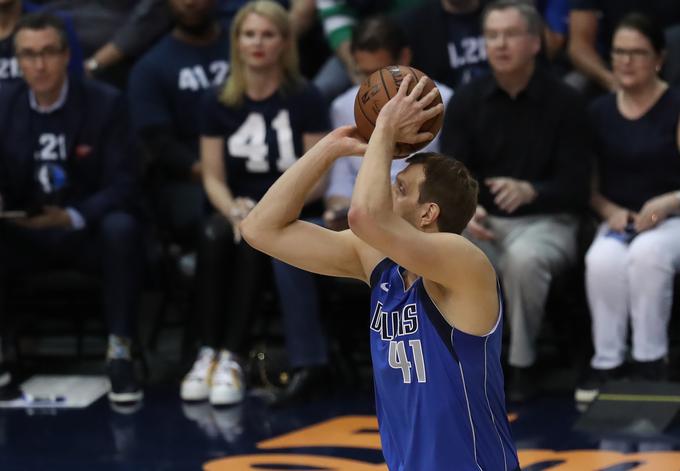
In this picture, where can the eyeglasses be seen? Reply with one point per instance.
(509, 35)
(48, 53)
(632, 54)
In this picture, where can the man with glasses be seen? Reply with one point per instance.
(10, 13)
(522, 133)
(67, 175)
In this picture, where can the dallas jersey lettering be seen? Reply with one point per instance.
(439, 391)
(263, 138)
(166, 85)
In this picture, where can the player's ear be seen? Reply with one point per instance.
(430, 214)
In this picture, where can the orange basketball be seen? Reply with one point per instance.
(377, 89)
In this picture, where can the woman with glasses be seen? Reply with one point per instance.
(631, 264)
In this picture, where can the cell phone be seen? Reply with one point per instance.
(626, 236)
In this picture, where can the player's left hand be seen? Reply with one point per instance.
(52, 217)
(346, 141)
(654, 211)
(406, 112)
(510, 193)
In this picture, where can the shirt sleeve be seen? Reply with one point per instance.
(148, 105)
(211, 109)
(145, 24)
(337, 19)
(557, 15)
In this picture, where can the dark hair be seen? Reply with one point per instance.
(378, 32)
(40, 21)
(449, 184)
(525, 8)
(646, 26)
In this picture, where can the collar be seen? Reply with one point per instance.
(533, 90)
(55, 106)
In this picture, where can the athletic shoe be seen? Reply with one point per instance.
(227, 381)
(590, 386)
(656, 370)
(124, 386)
(196, 384)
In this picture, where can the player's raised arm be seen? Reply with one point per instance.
(273, 226)
(417, 225)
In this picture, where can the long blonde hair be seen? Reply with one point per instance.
(234, 89)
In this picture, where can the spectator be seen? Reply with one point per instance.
(10, 13)
(164, 90)
(631, 264)
(65, 159)
(377, 42)
(254, 128)
(591, 26)
(115, 32)
(338, 17)
(446, 40)
(522, 133)
(556, 17)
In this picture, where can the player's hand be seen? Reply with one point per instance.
(619, 219)
(510, 193)
(346, 141)
(52, 217)
(655, 211)
(477, 228)
(406, 113)
(238, 212)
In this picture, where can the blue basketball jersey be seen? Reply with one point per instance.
(439, 391)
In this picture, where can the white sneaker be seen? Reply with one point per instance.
(196, 384)
(227, 381)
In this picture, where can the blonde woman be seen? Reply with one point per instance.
(253, 129)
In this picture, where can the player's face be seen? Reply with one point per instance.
(261, 44)
(406, 191)
(509, 46)
(43, 59)
(193, 15)
(634, 61)
(368, 62)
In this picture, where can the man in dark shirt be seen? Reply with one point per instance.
(591, 27)
(10, 13)
(165, 90)
(446, 40)
(66, 161)
(522, 134)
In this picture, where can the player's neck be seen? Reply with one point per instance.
(9, 19)
(516, 81)
(262, 83)
(203, 38)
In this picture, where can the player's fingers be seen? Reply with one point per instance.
(403, 87)
(418, 89)
(429, 97)
(432, 112)
(502, 198)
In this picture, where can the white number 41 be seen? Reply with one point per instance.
(399, 360)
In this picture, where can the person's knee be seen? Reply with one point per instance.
(600, 262)
(648, 254)
(522, 262)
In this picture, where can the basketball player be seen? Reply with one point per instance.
(436, 312)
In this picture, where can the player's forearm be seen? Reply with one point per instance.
(284, 200)
(370, 216)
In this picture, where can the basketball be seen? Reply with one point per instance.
(377, 89)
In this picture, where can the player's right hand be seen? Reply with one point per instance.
(345, 141)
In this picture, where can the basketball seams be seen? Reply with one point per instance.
(387, 90)
(363, 112)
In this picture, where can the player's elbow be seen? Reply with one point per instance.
(250, 232)
(360, 220)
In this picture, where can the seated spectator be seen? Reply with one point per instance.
(66, 160)
(164, 92)
(447, 41)
(10, 13)
(377, 42)
(523, 135)
(591, 27)
(254, 128)
(338, 17)
(631, 264)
